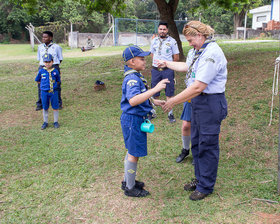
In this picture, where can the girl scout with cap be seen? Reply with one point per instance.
(135, 105)
(207, 75)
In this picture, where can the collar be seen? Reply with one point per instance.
(50, 44)
(128, 70)
(48, 70)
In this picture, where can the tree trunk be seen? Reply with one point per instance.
(238, 18)
(167, 12)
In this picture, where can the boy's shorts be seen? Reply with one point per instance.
(134, 139)
(187, 112)
(47, 97)
(157, 76)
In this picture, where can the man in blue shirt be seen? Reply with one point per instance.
(164, 48)
(48, 47)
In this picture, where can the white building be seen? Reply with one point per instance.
(265, 13)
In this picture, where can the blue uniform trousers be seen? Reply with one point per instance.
(157, 76)
(208, 111)
(39, 101)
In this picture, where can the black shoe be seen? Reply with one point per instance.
(191, 186)
(196, 195)
(171, 118)
(183, 155)
(135, 192)
(138, 184)
(56, 125)
(44, 126)
(39, 108)
(60, 107)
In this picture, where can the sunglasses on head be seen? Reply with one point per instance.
(190, 26)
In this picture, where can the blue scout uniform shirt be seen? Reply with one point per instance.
(43, 77)
(164, 52)
(54, 49)
(132, 86)
(210, 68)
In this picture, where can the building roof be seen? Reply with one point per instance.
(265, 8)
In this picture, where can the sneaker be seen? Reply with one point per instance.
(135, 192)
(183, 155)
(171, 118)
(191, 186)
(196, 195)
(138, 184)
(56, 125)
(39, 108)
(44, 126)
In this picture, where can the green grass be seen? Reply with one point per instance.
(73, 174)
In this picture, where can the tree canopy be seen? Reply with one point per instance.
(92, 15)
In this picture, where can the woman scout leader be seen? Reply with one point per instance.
(206, 80)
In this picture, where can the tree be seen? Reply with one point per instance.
(167, 11)
(241, 8)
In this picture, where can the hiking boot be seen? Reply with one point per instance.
(191, 186)
(39, 108)
(56, 125)
(171, 118)
(44, 126)
(196, 195)
(138, 184)
(135, 192)
(183, 155)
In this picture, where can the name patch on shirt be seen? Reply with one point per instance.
(131, 82)
(210, 60)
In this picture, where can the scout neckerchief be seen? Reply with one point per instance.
(160, 44)
(196, 56)
(142, 78)
(47, 47)
(50, 79)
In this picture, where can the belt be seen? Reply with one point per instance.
(159, 69)
(204, 94)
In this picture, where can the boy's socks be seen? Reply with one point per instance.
(186, 141)
(125, 159)
(55, 116)
(46, 116)
(130, 174)
(170, 112)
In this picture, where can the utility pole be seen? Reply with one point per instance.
(245, 24)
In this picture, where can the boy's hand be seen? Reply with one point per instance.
(159, 102)
(160, 63)
(161, 85)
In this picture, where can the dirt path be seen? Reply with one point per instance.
(67, 54)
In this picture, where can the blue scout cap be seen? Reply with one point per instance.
(134, 51)
(47, 57)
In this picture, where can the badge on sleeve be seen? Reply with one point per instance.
(210, 60)
(131, 82)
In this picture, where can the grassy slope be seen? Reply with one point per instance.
(73, 174)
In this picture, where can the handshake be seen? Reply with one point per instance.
(165, 105)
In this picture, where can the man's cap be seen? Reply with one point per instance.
(134, 51)
(47, 57)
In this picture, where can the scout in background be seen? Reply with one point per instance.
(49, 78)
